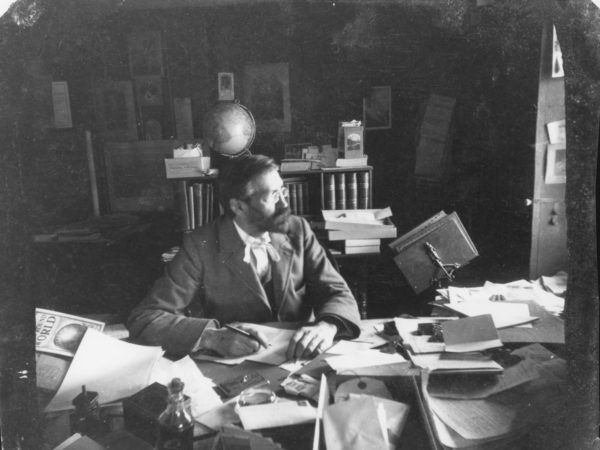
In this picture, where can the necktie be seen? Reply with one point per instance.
(258, 252)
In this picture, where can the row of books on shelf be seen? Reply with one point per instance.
(346, 190)
(298, 197)
(196, 202)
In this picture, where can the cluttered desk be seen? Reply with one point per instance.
(480, 374)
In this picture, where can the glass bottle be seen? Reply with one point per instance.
(175, 424)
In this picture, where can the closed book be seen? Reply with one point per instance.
(329, 191)
(208, 203)
(293, 198)
(361, 242)
(199, 203)
(360, 219)
(300, 198)
(362, 250)
(351, 191)
(362, 189)
(190, 207)
(374, 233)
(340, 191)
(305, 199)
(182, 202)
(447, 237)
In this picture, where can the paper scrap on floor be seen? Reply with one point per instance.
(274, 354)
(196, 386)
(111, 367)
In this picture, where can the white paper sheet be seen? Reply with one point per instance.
(349, 347)
(113, 368)
(282, 413)
(367, 358)
(274, 354)
(196, 386)
(438, 361)
(504, 314)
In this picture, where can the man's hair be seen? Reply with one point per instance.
(237, 173)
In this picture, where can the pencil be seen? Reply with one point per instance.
(245, 333)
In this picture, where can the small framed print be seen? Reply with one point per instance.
(556, 164)
(115, 110)
(225, 81)
(377, 108)
(148, 90)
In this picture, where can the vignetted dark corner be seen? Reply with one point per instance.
(440, 152)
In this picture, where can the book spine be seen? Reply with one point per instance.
(190, 205)
(329, 191)
(340, 191)
(182, 201)
(362, 188)
(199, 203)
(208, 188)
(351, 191)
(300, 196)
(293, 198)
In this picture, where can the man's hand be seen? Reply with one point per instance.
(311, 340)
(229, 343)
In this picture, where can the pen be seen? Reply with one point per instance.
(245, 333)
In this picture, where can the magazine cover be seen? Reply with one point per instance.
(60, 333)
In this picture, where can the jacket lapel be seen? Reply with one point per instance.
(232, 255)
(280, 272)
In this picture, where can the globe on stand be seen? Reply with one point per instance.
(229, 129)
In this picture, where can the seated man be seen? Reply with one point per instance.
(255, 264)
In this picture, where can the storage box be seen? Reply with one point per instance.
(350, 140)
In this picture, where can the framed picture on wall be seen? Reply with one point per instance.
(148, 90)
(267, 95)
(556, 164)
(145, 53)
(115, 110)
(225, 85)
(377, 108)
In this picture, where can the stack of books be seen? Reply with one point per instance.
(357, 231)
(196, 202)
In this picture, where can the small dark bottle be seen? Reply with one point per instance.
(175, 424)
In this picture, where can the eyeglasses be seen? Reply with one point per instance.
(282, 193)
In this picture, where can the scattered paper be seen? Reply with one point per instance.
(503, 314)
(367, 358)
(454, 363)
(274, 354)
(361, 386)
(556, 284)
(349, 347)
(196, 386)
(354, 424)
(467, 387)
(113, 368)
(471, 334)
(279, 414)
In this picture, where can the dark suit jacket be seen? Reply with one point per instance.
(209, 280)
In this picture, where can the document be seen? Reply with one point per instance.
(196, 386)
(414, 339)
(113, 368)
(504, 314)
(456, 362)
(471, 334)
(279, 414)
(274, 354)
(367, 358)
(349, 347)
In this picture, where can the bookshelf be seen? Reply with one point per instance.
(310, 192)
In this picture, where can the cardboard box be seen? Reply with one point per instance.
(187, 167)
(350, 140)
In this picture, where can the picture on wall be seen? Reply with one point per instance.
(115, 110)
(225, 84)
(556, 164)
(377, 108)
(145, 54)
(267, 95)
(148, 90)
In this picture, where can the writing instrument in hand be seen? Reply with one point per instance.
(245, 333)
